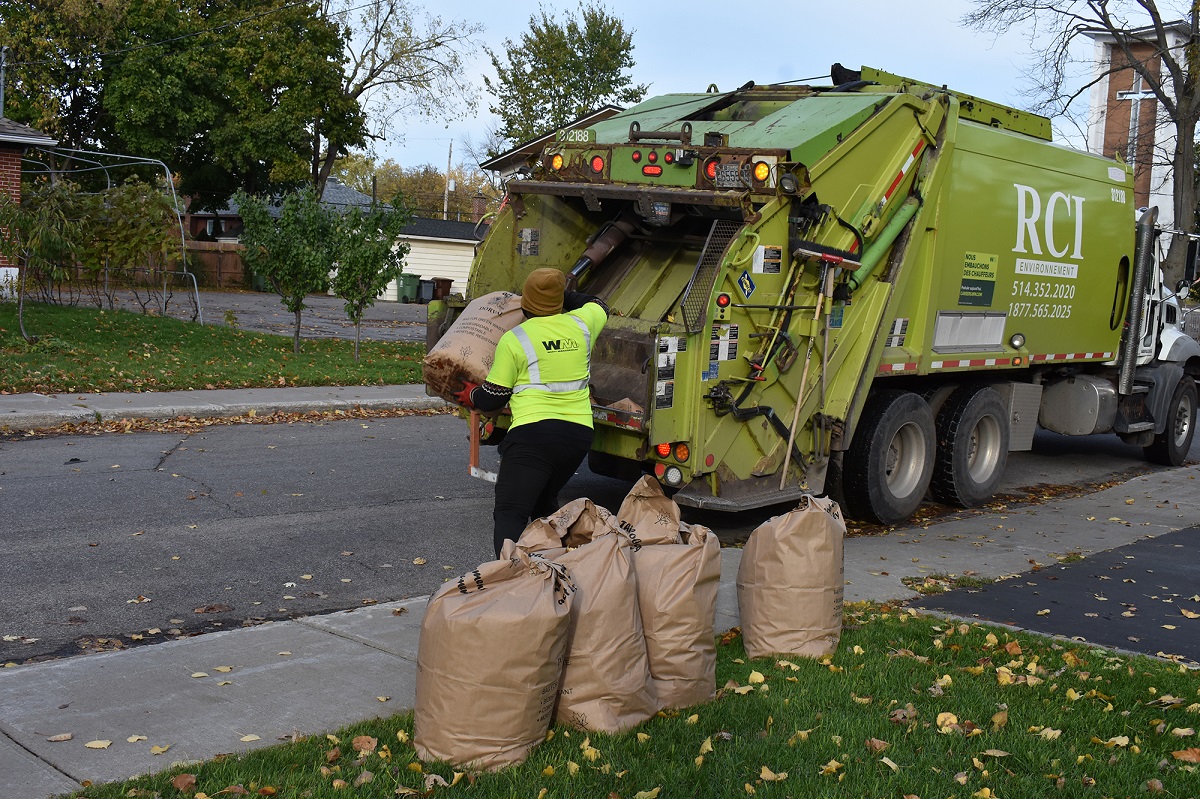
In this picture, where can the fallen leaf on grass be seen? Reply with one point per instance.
(367, 777)
(707, 746)
(755, 678)
(830, 768)
(651, 794)
(887, 761)
(642, 737)
(100, 744)
(1183, 732)
(1191, 755)
(365, 744)
(1049, 734)
(184, 783)
(766, 775)
(876, 746)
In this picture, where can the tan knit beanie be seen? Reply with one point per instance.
(543, 292)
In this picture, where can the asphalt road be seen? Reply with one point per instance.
(108, 537)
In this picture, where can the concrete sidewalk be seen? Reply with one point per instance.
(206, 695)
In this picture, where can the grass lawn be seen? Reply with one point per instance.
(910, 706)
(85, 349)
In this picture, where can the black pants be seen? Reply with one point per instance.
(536, 461)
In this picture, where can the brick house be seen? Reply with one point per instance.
(1126, 119)
(15, 139)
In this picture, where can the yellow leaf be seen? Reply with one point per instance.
(984, 793)
(1043, 612)
(1168, 626)
(1183, 732)
(692, 719)
(756, 678)
(419, 561)
(1073, 695)
(572, 767)
(642, 737)
(135, 738)
(200, 674)
(887, 761)
(158, 750)
(991, 639)
(249, 738)
(961, 778)
(699, 761)
(416, 767)
(1004, 676)
(750, 789)
(1049, 734)
(651, 794)
(944, 681)
(742, 690)
(1000, 719)
(591, 753)
(995, 753)
(548, 771)
(1117, 740)
(858, 650)
(766, 775)
(401, 736)
(1189, 614)
(98, 744)
(707, 746)
(944, 720)
(542, 793)
(831, 767)
(799, 736)
(787, 664)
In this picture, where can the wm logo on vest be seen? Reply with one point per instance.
(560, 345)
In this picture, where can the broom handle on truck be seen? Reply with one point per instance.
(787, 457)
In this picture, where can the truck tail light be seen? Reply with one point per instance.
(597, 163)
(682, 451)
(556, 162)
(651, 171)
(663, 449)
(710, 168)
(762, 171)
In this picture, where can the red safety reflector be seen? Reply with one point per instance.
(659, 470)
(651, 171)
(723, 300)
(652, 156)
(710, 168)
(669, 157)
(637, 156)
(709, 460)
(597, 163)
(663, 449)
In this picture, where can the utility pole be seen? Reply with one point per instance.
(3, 59)
(446, 196)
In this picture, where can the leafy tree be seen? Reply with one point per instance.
(368, 258)
(558, 72)
(131, 229)
(55, 64)
(1059, 28)
(290, 247)
(42, 235)
(394, 66)
(421, 189)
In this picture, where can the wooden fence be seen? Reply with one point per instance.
(217, 263)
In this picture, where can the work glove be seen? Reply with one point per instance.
(463, 397)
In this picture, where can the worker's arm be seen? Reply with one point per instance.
(490, 397)
(574, 300)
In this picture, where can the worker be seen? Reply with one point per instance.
(541, 371)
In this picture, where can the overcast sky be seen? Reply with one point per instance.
(683, 47)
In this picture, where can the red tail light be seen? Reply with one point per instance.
(710, 168)
(597, 163)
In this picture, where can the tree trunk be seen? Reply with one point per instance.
(21, 302)
(1183, 166)
(296, 335)
(357, 338)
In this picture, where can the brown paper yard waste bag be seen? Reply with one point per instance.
(489, 662)
(606, 683)
(467, 350)
(790, 582)
(678, 569)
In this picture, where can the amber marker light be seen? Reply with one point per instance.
(556, 161)
(597, 163)
(682, 451)
(663, 449)
(762, 171)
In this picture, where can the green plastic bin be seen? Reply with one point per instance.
(407, 287)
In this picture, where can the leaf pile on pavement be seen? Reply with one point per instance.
(909, 706)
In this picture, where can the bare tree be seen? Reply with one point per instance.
(399, 61)
(1166, 65)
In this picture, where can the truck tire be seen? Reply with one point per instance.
(887, 469)
(972, 446)
(1171, 446)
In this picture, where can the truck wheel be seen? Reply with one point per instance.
(1171, 446)
(887, 469)
(972, 446)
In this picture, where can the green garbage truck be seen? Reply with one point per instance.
(875, 289)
